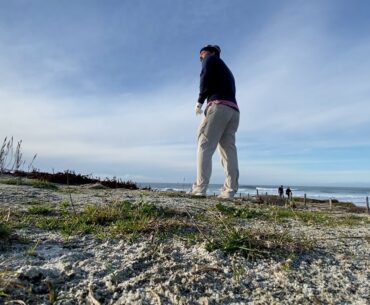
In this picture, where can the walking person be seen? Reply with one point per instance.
(221, 121)
(281, 191)
(289, 193)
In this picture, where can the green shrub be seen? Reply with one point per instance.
(115, 219)
(43, 184)
(307, 217)
(11, 181)
(245, 212)
(257, 243)
(40, 210)
(5, 231)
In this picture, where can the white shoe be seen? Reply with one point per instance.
(198, 194)
(226, 196)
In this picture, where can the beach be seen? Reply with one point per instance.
(90, 244)
(356, 195)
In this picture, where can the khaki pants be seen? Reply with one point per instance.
(218, 129)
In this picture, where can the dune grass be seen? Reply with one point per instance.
(222, 226)
(5, 231)
(42, 184)
(41, 209)
(113, 220)
(282, 214)
(258, 243)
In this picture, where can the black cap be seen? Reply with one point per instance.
(212, 48)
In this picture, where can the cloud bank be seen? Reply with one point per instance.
(101, 92)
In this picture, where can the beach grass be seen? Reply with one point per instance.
(42, 184)
(113, 220)
(13, 181)
(258, 243)
(40, 209)
(220, 226)
(282, 214)
(5, 231)
(244, 212)
(134, 221)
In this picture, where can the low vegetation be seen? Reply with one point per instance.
(42, 184)
(244, 212)
(132, 221)
(282, 214)
(72, 178)
(260, 243)
(12, 163)
(120, 219)
(11, 156)
(223, 226)
(4, 231)
(13, 181)
(40, 210)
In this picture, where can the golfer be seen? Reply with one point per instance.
(221, 121)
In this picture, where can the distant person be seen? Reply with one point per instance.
(281, 191)
(221, 121)
(289, 193)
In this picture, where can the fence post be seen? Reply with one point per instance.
(330, 203)
(240, 195)
(305, 199)
(367, 205)
(257, 192)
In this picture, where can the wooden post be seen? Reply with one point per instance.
(214, 194)
(305, 199)
(240, 195)
(266, 193)
(248, 196)
(367, 205)
(330, 204)
(257, 192)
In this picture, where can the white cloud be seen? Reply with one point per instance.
(293, 81)
(157, 132)
(296, 91)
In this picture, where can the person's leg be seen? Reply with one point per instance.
(229, 157)
(210, 132)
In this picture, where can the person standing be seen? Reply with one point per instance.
(221, 121)
(289, 193)
(281, 191)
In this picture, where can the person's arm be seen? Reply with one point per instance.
(206, 78)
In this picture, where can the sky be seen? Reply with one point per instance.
(109, 87)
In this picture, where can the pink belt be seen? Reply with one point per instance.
(223, 102)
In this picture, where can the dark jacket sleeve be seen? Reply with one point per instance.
(206, 75)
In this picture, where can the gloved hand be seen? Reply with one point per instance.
(198, 108)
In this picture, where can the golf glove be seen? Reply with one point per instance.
(198, 108)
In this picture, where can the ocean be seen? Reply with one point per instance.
(356, 195)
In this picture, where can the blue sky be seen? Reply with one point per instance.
(109, 87)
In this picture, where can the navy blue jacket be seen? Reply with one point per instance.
(216, 81)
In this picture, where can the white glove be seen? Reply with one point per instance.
(198, 108)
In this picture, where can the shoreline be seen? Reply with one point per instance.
(311, 192)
